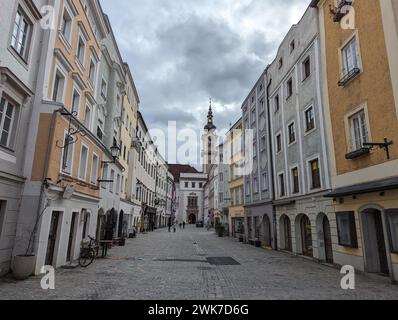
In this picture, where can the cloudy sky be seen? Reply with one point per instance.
(182, 52)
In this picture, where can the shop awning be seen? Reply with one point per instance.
(368, 187)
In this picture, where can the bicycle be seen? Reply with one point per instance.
(88, 254)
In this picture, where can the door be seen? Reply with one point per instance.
(328, 240)
(52, 238)
(287, 234)
(267, 231)
(306, 236)
(120, 226)
(374, 242)
(72, 236)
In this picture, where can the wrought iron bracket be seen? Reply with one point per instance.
(383, 145)
(71, 131)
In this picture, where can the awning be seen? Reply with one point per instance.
(368, 187)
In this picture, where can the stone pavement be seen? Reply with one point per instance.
(163, 265)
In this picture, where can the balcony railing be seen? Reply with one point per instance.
(349, 76)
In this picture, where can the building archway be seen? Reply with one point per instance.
(192, 219)
(285, 231)
(325, 248)
(101, 224)
(304, 236)
(265, 234)
(374, 241)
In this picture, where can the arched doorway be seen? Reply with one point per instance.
(285, 233)
(120, 224)
(266, 231)
(304, 236)
(101, 225)
(374, 241)
(192, 219)
(325, 248)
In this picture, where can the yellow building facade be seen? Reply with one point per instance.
(359, 51)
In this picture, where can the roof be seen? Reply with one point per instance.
(177, 169)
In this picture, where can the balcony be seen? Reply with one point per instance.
(357, 153)
(349, 76)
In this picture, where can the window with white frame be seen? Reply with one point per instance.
(67, 156)
(350, 57)
(295, 180)
(75, 102)
(306, 68)
(104, 89)
(83, 162)
(289, 88)
(292, 133)
(66, 25)
(276, 103)
(359, 130)
(8, 122)
(87, 117)
(248, 187)
(92, 71)
(21, 34)
(309, 119)
(81, 50)
(264, 181)
(255, 185)
(112, 183)
(315, 174)
(94, 169)
(58, 87)
(278, 143)
(282, 190)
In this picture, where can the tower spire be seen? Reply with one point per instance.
(210, 123)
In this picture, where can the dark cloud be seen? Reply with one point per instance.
(184, 51)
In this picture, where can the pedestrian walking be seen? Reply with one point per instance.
(180, 225)
(169, 224)
(183, 224)
(175, 228)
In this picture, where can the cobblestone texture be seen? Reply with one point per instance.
(135, 272)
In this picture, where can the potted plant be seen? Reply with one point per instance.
(23, 265)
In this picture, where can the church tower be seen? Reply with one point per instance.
(209, 142)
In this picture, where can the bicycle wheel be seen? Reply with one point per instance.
(87, 258)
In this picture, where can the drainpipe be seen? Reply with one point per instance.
(271, 160)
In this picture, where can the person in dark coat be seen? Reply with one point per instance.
(183, 224)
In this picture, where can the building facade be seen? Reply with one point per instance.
(305, 219)
(20, 50)
(258, 191)
(359, 65)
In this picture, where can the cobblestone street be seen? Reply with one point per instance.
(164, 265)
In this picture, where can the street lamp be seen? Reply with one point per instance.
(115, 152)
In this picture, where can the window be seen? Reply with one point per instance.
(350, 57)
(278, 143)
(100, 132)
(282, 191)
(118, 184)
(67, 156)
(280, 63)
(254, 149)
(94, 169)
(83, 163)
(264, 181)
(201, 185)
(87, 118)
(292, 133)
(193, 185)
(309, 119)
(21, 34)
(295, 180)
(392, 217)
(112, 184)
(359, 130)
(346, 229)
(186, 184)
(253, 116)
(58, 87)
(276, 103)
(92, 72)
(255, 185)
(75, 102)
(306, 68)
(8, 119)
(292, 46)
(103, 89)
(289, 88)
(263, 143)
(81, 48)
(315, 174)
(66, 25)
(262, 105)
(248, 187)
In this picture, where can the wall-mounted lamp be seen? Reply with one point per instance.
(115, 152)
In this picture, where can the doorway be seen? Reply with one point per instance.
(72, 234)
(286, 233)
(192, 219)
(266, 227)
(120, 225)
(52, 238)
(374, 242)
(327, 240)
(306, 236)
